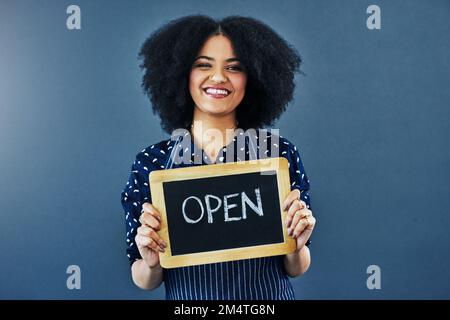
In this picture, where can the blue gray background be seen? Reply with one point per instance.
(371, 120)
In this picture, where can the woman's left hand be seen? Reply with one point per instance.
(299, 219)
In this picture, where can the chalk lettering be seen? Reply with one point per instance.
(227, 205)
(189, 220)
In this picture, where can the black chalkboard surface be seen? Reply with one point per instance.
(222, 212)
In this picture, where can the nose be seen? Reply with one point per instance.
(218, 76)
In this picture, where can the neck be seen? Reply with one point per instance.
(212, 132)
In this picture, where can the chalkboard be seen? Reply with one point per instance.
(222, 212)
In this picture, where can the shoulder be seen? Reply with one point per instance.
(153, 157)
(291, 152)
(287, 145)
(287, 148)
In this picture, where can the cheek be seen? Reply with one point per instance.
(194, 81)
(239, 84)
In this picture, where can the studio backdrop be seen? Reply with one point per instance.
(370, 117)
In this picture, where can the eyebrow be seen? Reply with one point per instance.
(212, 59)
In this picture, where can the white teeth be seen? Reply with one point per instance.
(217, 91)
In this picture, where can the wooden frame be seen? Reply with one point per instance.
(156, 178)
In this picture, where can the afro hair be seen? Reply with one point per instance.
(269, 62)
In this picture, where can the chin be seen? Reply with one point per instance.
(216, 110)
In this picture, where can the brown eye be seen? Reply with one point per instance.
(235, 68)
(203, 65)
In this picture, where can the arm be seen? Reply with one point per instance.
(143, 241)
(300, 223)
(147, 272)
(299, 218)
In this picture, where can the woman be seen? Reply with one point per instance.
(202, 74)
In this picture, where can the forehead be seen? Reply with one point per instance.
(217, 46)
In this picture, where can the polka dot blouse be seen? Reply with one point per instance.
(260, 278)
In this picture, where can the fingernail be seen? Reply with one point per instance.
(289, 231)
(161, 249)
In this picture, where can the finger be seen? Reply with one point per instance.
(146, 241)
(294, 194)
(149, 220)
(312, 222)
(301, 225)
(296, 205)
(149, 208)
(149, 232)
(155, 236)
(143, 241)
(306, 225)
(296, 218)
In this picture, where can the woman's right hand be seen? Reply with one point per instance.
(149, 243)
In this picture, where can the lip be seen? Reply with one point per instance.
(216, 96)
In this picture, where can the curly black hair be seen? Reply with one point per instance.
(269, 61)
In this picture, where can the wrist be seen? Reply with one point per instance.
(152, 268)
(144, 266)
(300, 250)
(155, 268)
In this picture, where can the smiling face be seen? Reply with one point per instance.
(217, 79)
